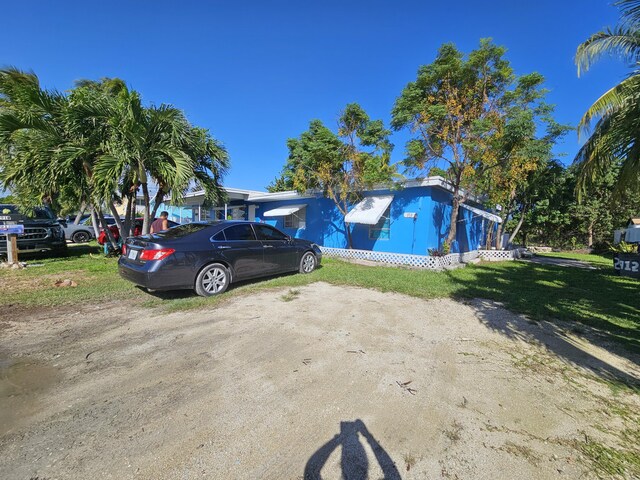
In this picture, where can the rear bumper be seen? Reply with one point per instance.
(152, 275)
(134, 276)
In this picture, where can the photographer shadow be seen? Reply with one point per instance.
(354, 462)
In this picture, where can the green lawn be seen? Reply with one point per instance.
(594, 298)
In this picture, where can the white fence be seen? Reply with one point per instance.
(500, 255)
(421, 261)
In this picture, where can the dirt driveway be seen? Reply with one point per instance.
(320, 382)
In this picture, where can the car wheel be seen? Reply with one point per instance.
(81, 237)
(308, 263)
(212, 280)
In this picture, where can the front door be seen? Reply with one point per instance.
(280, 255)
(241, 250)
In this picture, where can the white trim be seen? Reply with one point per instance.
(259, 196)
(283, 211)
(369, 210)
(489, 216)
(288, 195)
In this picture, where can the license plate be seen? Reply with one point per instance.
(132, 254)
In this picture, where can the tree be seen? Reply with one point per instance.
(521, 155)
(556, 218)
(616, 133)
(99, 144)
(453, 109)
(341, 165)
(32, 129)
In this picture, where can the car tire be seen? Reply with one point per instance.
(308, 263)
(81, 236)
(212, 280)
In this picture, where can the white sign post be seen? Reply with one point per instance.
(11, 233)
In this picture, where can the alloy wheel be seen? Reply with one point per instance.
(214, 280)
(308, 263)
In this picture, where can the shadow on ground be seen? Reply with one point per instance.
(354, 464)
(180, 294)
(601, 307)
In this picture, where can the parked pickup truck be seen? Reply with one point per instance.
(42, 232)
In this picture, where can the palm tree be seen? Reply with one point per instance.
(157, 145)
(99, 145)
(616, 134)
(49, 143)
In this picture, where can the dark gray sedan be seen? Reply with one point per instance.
(207, 257)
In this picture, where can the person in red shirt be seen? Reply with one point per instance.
(160, 224)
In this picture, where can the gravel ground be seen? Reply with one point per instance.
(318, 382)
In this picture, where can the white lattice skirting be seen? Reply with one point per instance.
(500, 255)
(420, 261)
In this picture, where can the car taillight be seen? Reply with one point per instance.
(124, 249)
(156, 254)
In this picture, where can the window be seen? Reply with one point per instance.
(296, 220)
(236, 213)
(219, 237)
(382, 229)
(266, 232)
(183, 230)
(239, 232)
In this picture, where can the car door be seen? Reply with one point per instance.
(240, 249)
(280, 254)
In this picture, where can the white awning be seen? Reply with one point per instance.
(482, 213)
(369, 210)
(283, 211)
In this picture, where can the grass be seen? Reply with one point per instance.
(612, 462)
(594, 298)
(292, 294)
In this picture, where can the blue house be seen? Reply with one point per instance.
(411, 219)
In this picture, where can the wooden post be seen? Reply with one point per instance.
(12, 248)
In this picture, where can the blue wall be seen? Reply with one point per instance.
(325, 224)
(432, 206)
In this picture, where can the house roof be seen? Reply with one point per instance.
(259, 196)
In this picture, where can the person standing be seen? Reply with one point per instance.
(160, 224)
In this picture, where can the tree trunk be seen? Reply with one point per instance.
(348, 232)
(116, 217)
(590, 235)
(489, 242)
(94, 221)
(83, 207)
(105, 226)
(498, 236)
(519, 225)
(453, 223)
(157, 200)
(146, 225)
(126, 227)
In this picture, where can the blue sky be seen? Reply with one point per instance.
(255, 73)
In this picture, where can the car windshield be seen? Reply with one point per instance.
(43, 214)
(39, 213)
(183, 230)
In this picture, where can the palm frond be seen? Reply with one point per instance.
(622, 42)
(626, 92)
(630, 10)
